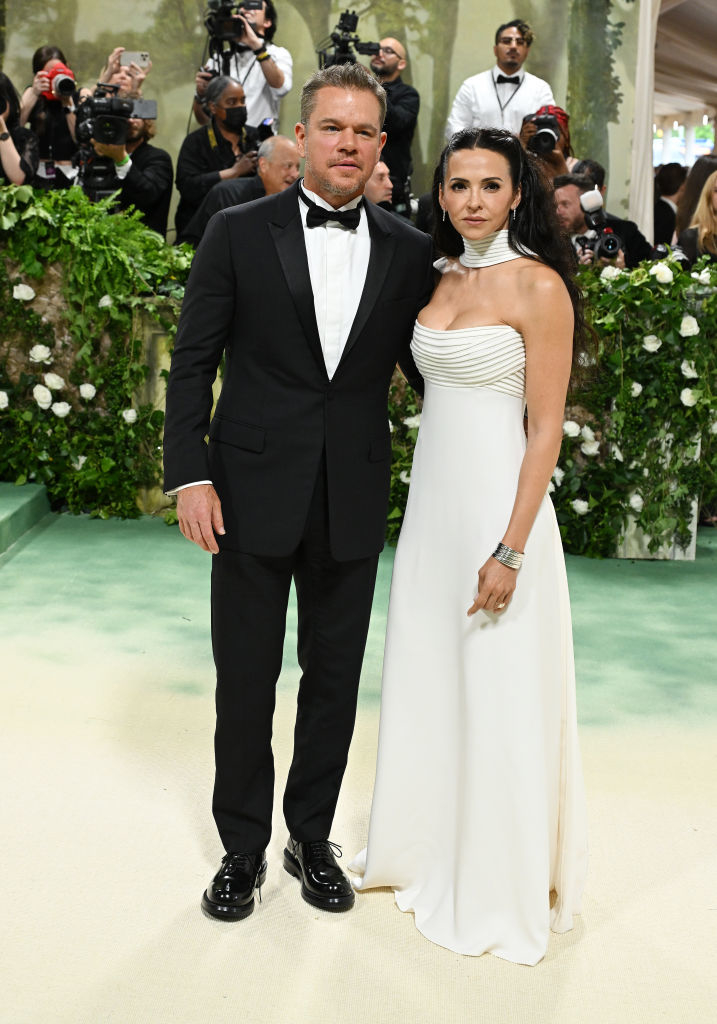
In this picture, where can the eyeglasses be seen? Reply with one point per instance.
(388, 50)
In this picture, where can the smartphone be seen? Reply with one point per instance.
(134, 57)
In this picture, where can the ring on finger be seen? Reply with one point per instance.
(500, 606)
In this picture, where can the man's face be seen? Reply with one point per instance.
(569, 210)
(341, 143)
(511, 50)
(257, 19)
(281, 169)
(135, 129)
(390, 60)
(378, 187)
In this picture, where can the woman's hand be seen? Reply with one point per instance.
(40, 84)
(113, 64)
(496, 583)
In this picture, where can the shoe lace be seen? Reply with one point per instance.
(241, 862)
(325, 850)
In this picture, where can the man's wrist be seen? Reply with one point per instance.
(123, 162)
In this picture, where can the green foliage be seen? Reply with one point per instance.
(626, 456)
(92, 453)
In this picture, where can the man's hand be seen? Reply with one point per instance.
(201, 81)
(618, 261)
(200, 516)
(116, 153)
(248, 37)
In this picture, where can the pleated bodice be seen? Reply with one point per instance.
(491, 356)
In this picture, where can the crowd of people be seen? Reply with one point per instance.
(236, 154)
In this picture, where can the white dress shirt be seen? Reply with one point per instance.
(262, 99)
(483, 103)
(338, 264)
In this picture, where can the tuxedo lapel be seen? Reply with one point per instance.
(383, 244)
(288, 235)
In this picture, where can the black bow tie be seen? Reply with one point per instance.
(504, 80)
(318, 215)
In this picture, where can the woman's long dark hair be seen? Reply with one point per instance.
(533, 232)
(41, 56)
(694, 183)
(9, 97)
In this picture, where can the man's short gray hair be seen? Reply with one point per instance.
(340, 76)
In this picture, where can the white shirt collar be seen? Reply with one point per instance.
(497, 71)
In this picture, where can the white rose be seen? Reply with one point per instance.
(646, 472)
(88, 391)
(391, 427)
(687, 397)
(636, 502)
(703, 277)
(689, 327)
(4, 400)
(571, 428)
(105, 302)
(54, 381)
(713, 427)
(412, 422)
(23, 292)
(60, 409)
(662, 272)
(688, 369)
(551, 487)
(616, 453)
(129, 415)
(558, 475)
(590, 447)
(587, 433)
(651, 343)
(580, 506)
(42, 395)
(609, 273)
(636, 389)
(40, 354)
(404, 477)
(79, 462)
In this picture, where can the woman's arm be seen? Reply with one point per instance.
(545, 319)
(10, 158)
(40, 84)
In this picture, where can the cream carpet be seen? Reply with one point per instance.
(107, 838)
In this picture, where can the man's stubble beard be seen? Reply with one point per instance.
(331, 187)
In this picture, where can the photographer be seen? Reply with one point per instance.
(18, 146)
(49, 105)
(128, 77)
(546, 134)
(263, 69)
(403, 103)
(636, 246)
(277, 169)
(144, 173)
(222, 149)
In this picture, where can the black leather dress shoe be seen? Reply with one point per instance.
(230, 895)
(323, 883)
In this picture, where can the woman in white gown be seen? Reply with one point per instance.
(478, 818)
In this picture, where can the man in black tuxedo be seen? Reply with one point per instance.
(312, 295)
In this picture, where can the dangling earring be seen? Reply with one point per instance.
(444, 213)
(512, 216)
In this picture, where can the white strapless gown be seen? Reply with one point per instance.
(478, 819)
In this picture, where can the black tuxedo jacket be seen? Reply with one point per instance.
(249, 297)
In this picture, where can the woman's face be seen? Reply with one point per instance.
(478, 192)
(233, 96)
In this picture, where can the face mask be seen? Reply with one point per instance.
(235, 118)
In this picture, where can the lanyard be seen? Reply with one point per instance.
(504, 105)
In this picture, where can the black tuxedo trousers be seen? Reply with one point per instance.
(301, 464)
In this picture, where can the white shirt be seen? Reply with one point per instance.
(483, 103)
(338, 264)
(262, 99)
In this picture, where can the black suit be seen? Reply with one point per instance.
(302, 467)
(634, 244)
(664, 219)
(148, 186)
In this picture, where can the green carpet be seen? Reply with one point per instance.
(644, 632)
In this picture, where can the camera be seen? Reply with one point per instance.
(343, 44)
(104, 117)
(221, 21)
(546, 136)
(606, 244)
(62, 82)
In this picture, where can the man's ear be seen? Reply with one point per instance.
(300, 132)
(402, 64)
